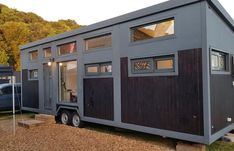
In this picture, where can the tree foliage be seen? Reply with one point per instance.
(18, 28)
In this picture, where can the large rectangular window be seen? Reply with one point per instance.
(153, 30)
(68, 81)
(98, 69)
(103, 41)
(153, 64)
(67, 48)
(47, 52)
(33, 55)
(219, 61)
(33, 74)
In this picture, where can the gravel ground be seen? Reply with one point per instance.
(56, 137)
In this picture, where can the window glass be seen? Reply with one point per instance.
(144, 65)
(98, 69)
(106, 68)
(218, 61)
(92, 69)
(33, 55)
(153, 30)
(68, 81)
(47, 52)
(33, 74)
(103, 41)
(164, 64)
(67, 48)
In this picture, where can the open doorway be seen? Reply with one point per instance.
(68, 82)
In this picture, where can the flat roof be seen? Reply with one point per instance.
(165, 6)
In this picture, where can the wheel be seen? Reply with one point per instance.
(65, 117)
(76, 121)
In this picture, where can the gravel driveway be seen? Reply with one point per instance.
(56, 137)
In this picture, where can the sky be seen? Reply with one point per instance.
(86, 12)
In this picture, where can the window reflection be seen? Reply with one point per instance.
(67, 48)
(154, 30)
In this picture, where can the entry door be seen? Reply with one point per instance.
(48, 89)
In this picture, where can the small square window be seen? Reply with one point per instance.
(106, 68)
(47, 52)
(33, 74)
(142, 65)
(92, 69)
(33, 55)
(164, 64)
(219, 61)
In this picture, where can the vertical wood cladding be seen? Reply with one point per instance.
(166, 102)
(30, 91)
(222, 100)
(98, 98)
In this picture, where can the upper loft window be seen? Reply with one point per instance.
(33, 55)
(153, 30)
(47, 52)
(219, 61)
(67, 48)
(103, 41)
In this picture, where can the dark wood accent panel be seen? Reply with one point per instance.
(222, 101)
(30, 91)
(166, 102)
(98, 98)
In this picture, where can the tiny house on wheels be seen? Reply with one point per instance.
(166, 70)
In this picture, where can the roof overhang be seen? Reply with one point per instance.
(168, 5)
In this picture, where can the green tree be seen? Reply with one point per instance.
(18, 28)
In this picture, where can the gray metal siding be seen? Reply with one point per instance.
(220, 37)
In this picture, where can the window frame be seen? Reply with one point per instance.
(61, 101)
(169, 57)
(44, 52)
(131, 29)
(58, 48)
(226, 55)
(99, 73)
(133, 61)
(97, 36)
(104, 64)
(29, 75)
(155, 72)
(93, 73)
(30, 55)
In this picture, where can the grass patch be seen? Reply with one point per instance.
(221, 146)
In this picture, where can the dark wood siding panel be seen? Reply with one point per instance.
(98, 98)
(30, 91)
(166, 102)
(222, 101)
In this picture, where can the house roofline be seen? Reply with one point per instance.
(158, 8)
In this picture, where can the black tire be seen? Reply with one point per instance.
(76, 120)
(65, 117)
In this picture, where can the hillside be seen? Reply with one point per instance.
(18, 28)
